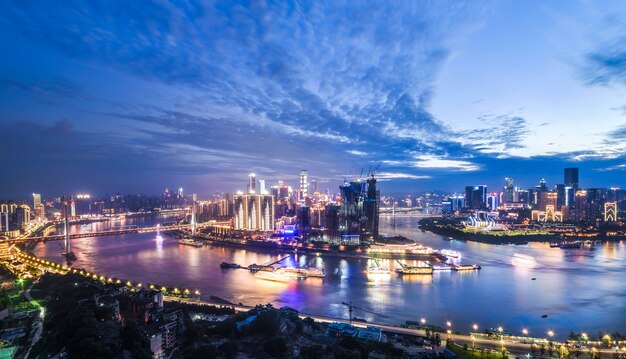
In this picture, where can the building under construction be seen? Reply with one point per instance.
(358, 216)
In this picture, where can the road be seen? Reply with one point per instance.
(517, 349)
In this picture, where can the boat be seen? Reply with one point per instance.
(465, 267)
(571, 245)
(442, 267)
(279, 275)
(450, 253)
(554, 244)
(377, 270)
(226, 265)
(415, 270)
(544, 316)
(308, 272)
(534, 279)
(421, 268)
(190, 242)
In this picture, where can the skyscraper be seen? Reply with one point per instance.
(570, 177)
(262, 189)
(304, 184)
(508, 190)
(36, 200)
(251, 183)
(610, 211)
(253, 212)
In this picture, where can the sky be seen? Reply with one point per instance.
(132, 97)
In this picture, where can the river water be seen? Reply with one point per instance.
(581, 290)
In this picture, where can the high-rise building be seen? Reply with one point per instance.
(251, 183)
(36, 200)
(468, 196)
(262, 189)
(610, 211)
(479, 197)
(456, 203)
(579, 213)
(181, 194)
(493, 200)
(254, 212)
(596, 197)
(22, 216)
(83, 204)
(559, 189)
(304, 184)
(359, 209)
(508, 190)
(314, 186)
(570, 177)
(370, 209)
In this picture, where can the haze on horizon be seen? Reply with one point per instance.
(136, 96)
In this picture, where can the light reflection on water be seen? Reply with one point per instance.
(579, 290)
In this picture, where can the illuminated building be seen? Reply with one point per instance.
(254, 212)
(468, 196)
(493, 201)
(251, 183)
(456, 202)
(359, 209)
(304, 184)
(570, 178)
(610, 211)
(579, 212)
(82, 204)
(476, 197)
(559, 189)
(549, 215)
(181, 194)
(508, 191)
(546, 199)
(596, 197)
(446, 207)
(22, 216)
(314, 186)
(36, 200)
(262, 189)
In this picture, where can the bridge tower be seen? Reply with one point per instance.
(69, 255)
(193, 214)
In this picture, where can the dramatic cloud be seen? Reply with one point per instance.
(153, 92)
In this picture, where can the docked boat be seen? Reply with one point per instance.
(420, 268)
(465, 267)
(571, 245)
(442, 267)
(307, 272)
(450, 253)
(190, 242)
(226, 265)
(377, 270)
(279, 275)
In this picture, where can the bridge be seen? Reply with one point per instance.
(116, 232)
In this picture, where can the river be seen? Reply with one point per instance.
(581, 290)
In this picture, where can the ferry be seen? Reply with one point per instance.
(377, 270)
(415, 270)
(571, 245)
(450, 253)
(442, 267)
(420, 268)
(466, 267)
(307, 272)
(226, 265)
(279, 275)
(190, 242)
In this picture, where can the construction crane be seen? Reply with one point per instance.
(351, 308)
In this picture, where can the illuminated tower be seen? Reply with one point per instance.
(610, 211)
(570, 176)
(304, 184)
(251, 183)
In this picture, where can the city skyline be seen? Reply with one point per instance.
(437, 95)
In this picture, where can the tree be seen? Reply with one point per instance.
(542, 350)
(275, 346)
(229, 349)
(312, 352)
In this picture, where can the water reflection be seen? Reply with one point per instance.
(579, 290)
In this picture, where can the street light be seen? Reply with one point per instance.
(423, 321)
(525, 332)
(475, 327)
(550, 334)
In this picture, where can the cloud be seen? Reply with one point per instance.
(430, 161)
(396, 175)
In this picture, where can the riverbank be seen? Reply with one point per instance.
(436, 226)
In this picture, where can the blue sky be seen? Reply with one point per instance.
(137, 96)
